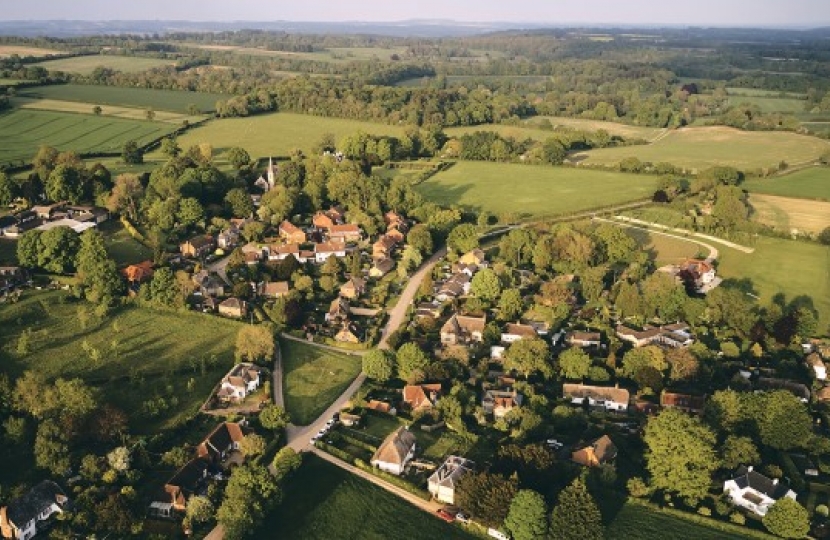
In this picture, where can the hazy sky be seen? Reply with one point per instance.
(694, 12)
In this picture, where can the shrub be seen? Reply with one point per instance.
(704, 511)
(822, 510)
(737, 518)
(637, 487)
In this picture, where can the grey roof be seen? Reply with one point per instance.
(451, 471)
(746, 476)
(26, 508)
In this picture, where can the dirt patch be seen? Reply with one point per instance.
(801, 214)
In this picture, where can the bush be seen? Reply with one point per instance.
(704, 511)
(822, 510)
(637, 487)
(737, 518)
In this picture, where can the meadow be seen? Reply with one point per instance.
(25, 50)
(533, 191)
(131, 113)
(159, 100)
(786, 214)
(531, 129)
(332, 54)
(767, 101)
(84, 65)
(812, 183)
(665, 250)
(701, 147)
(313, 378)
(324, 502)
(23, 131)
(123, 248)
(626, 131)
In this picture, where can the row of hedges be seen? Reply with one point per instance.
(792, 472)
(728, 528)
(392, 479)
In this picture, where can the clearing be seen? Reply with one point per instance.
(788, 214)
(324, 502)
(123, 248)
(812, 183)
(85, 65)
(701, 147)
(313, 378)
(107, 110)
(177, 101)
(24, 50)
(533, 191)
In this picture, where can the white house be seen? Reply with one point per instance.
(612, 398)
(500, 402)
(443, 481)
(815, 362)
(516, 331)
(754, 491)
(20, 519)
(239, 382)
(396, 452)
(328, 249)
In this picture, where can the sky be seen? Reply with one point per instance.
(781, 13)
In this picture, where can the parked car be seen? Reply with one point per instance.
(462, 517)
(446, 516)
(555, 444)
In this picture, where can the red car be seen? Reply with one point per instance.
(446, 516)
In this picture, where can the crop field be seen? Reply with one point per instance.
(702, 147)
(787, 214)
(24, 50)
(813, 183)
(278, 133)
(23, 131)
(324, 502)
(84, 65)
(528, 190)
(159, 100)
(131, 113)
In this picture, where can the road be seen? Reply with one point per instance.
(219, 267)
(276, 378)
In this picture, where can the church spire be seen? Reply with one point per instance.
(271, 180)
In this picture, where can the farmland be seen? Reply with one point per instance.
(85, 65)
(131, 113)
(614, 128)
(332, 54)
(25, 50)
(324, 502)
(699, 148)
(23, 131)
(538, 191)
(159, 100)
(788, 214)
(767, 101)
(313, 378)
(533, 131)
(813, 183)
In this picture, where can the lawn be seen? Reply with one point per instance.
(701, 147)
(277, 134)
(324, 502)
(23, 131)
(665, 250)
(85, 65)
(122, 247)
(787, 214)
(132, 113)
(313, 378)
(537, 191)
(160, 100)
(8, 252)
(530, 129)
(812, 183)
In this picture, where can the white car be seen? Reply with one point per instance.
(556, 445)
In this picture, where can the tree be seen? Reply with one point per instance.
(96, 271)
(274, 417)
(411, 361)
(285, 462)
(51, 449)
(574, 363)
(787, 519)
(785, 422)
(96, 110)
(378, 365)
(163, 290)
(576, 516)
(553, 152)
(737, 451)
(684, 365)
(420, 238)
(681, 454)
(64, 184)
(58, 249)
(486, 285)
(238, 157)
(9, 189)
(824, 236)
(199, 509)
(170, 147)
(119, 459)
(240, 203)
(190, 212)
(132, 154)
(529, 355)
(486, 496)
(463, 238)
(510, 305)
(643, 357)
(277, 204)
(252, 445)
(255, 343)
(126, 195)
(527, 518)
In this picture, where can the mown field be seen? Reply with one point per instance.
(23, 131)
(813, 183)
(159, 100)
(131, 113)
(122, 247)
(665, 250)
(702, 147)
(313, 378)
(324, 502)
(85, 65)
(768, 102)
(531, 130)
(25, 50)
(614, 128)
(527, 190)
(332, 54)
(787, 214)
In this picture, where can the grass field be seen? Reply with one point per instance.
(754, 92)
(313, 378)
(529, 130)
(23, 131)
(122, 247)
(786, 214)
(130, 113)
(23, 50)
(324, 502)
(769, 104)
(665, 250)
(533, 190)
(277, 134)
(160, 100)
(85, 65)
(614, 128)
(813, 183)
(333, 54)
(699, 148)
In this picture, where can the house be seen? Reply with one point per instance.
(612, 398)
(685, 402)
(476, 257)
(198, 246)
(338, 311)
(221, 442)
(48, 211)
(584, 339)
(21, 518)
(92, 214)
(138, 273)
(469, 269)
(189, 480)
(396, 234)
(421, 396)
(428, 310)
(597, 453)
(442, 483)
(328, 219)
(77, 226)
(347, 334)
(463, 329)
(328, 249)
(823, 395)
(291, 233)
(381, 406)
(769, 384)
(516, 331)
(7, 222)
(239, 382)
(500, 402)
(349, 420)
(234, 308)
(639, 338)
(393, 219)
(383, 247)
(673, 335)
(228, 238)
(697, 272)
(209, 284)
(354, 288)
(396, 452)
(497, 352)
(815, 363)
(345, 233)
(20, 223)
(755, 492)
(457, 285)
(274, 289)
(381, 267)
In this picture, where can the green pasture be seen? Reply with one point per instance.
(665, 250)
(533, 191)
(177, 101)
(23, 131)
(769, 104)
(755, 92)
(85, 65)
(812, 183)
(626, 131)
(122, 247)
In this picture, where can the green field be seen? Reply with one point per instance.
(160, 100)
(122, 247)
(813, 183)
(23, 131)
(324, 502)
(769, 104)
(699, 148)
(528, 190)
(665, 250)
(131, 113)
(313, 378)
(277, 134)
(85, 65)
(530, 129)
